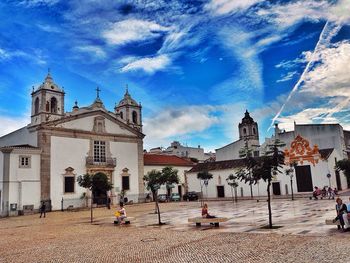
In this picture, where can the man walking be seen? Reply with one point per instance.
(43, 209)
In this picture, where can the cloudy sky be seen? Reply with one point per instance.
(195, 66)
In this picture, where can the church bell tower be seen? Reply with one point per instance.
(47, 102)
(248, 128)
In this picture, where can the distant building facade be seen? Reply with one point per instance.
(314, 148)
(159, 161)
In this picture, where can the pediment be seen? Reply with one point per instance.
(96, 122)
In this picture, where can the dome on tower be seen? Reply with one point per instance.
(247, 119)
(49, 84)
(127, 100)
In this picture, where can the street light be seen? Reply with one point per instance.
(329, 179)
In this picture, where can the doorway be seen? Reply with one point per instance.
(276, 188)
(221, 191)
(337, 178)
(304, 179)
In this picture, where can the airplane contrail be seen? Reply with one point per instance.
(329, 30)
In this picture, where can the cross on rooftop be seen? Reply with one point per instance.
(98, 92)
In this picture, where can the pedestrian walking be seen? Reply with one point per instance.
(43, 209)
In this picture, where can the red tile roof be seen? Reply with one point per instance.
(162, 159)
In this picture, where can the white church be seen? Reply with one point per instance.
(41, 161)
(314, 148)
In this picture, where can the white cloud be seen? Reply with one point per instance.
(222, 7)
(148, 64)
(48, 28)
(287, 76)
(33, 3)
(179, 121)
(95, 51)
(132, 30)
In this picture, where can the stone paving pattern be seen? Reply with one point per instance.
(69, 236)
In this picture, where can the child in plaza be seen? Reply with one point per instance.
(205, 213)
(121, 214)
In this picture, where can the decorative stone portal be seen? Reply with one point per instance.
(300, 152)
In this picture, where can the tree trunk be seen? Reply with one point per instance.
(233, 200)
(92, 201)
(269, 203)
(155, 202)
(157, 208)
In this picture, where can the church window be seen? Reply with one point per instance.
(126, 182)
(36, 106)
(24, 162)
(134, 117)
(244, 131)
(53, 105)
(69, 182)
(121, 114)
(47, 106)
(99, 151)
(254, 131)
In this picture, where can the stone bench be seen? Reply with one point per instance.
(127, 220)
(200, 220)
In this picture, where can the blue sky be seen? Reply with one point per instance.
(195, 66)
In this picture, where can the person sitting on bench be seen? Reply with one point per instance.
(122, 214)
(342, 210)
(205, 213)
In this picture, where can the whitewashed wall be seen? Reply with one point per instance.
(126, 154)
(66, 152)
(181, 174)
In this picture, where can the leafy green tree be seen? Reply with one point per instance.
(265, 168)
(97, 183)
(344, 166)
(231, 181)
(155, 179)
(204, 177)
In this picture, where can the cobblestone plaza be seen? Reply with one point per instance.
(69, 236)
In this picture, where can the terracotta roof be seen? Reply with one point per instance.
(162, 159)
(325, 153)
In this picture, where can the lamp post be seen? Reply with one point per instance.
(291, 185)
(329, 180)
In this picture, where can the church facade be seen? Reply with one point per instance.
(41, 161)
(311, 149)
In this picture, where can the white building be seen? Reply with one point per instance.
(41, 161)
(159, 161)
(248, 136)
(315, 149)
(176, 148)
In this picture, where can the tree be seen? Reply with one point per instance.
(155, 179)
(231, 181)
(249, 163)
(265, 168)
(97, 183)
(204, 177)
(344, 166)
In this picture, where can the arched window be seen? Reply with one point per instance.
(254, 131)
(121, 114)
(53, 105)
(47, 106)
(244, 131)
(134, 117)
(36, 106)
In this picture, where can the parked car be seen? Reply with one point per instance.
(190, 196)
(175, 197)
(162, 198)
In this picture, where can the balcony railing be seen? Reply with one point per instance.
(110, 162)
